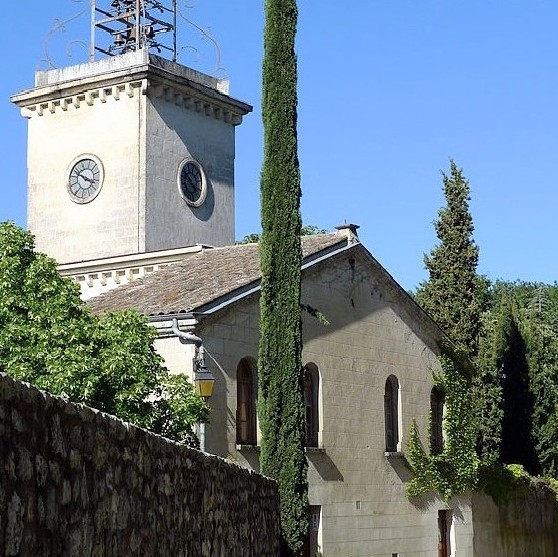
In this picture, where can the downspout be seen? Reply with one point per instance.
(199, 360)
(188, 337)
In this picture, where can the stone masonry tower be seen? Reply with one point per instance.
(131, 153)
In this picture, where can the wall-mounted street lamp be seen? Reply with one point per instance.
(203, 378)
(203, 384)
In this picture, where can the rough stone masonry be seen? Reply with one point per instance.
(75, 482)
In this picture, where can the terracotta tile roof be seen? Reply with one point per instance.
(200, 278)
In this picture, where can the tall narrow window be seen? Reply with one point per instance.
(311, 384)
(246, 402)
(436, 421)
(391, 416)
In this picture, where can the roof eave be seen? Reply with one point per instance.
(243, 292)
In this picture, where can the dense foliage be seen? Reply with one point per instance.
(451, 294)
(519, 391)
(510, 333)
(49, 338)
(307, 230)
(281, 400)
(454, 470)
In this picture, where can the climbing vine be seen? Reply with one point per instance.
(455, 469)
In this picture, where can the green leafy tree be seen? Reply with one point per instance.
(451, 294)
(541, 333)
(311, 230)
(281, 400)
(252, 238)
(543, 365)
(518, 357)
(308, 230)
(49, 338)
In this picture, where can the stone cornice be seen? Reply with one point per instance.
(46, 104)
(170, 92)
(101, 275)
(131, 75)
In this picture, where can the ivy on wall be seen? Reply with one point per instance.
(455, 469)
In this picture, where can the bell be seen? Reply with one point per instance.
(118, 40)
(131, 36)
(148, 32)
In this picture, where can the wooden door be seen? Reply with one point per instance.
(443, 538)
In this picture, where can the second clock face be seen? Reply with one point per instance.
(85, 180)
(192, 184)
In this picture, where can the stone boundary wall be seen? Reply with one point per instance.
(75, 482)
(525, 526)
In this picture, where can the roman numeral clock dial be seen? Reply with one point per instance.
(192, 183)
(85, 179)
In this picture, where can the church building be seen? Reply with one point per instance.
(131, 190)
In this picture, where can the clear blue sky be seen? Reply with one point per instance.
(388, 91)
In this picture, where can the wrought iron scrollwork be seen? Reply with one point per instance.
(61, 25)
(205, 32)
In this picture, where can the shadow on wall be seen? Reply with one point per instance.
(205, 211)
(317, 458)
(433, 501)
(323, 464)
(251, 455)
(401, 467)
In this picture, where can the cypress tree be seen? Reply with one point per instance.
(281, 396)
(517, 401)
(488, 385)
(537, 318)
(451, 295)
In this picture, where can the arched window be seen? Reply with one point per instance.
(311, 385)
(391, 415)
(246, 432)
(436, 421)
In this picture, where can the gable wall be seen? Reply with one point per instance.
(369, 336)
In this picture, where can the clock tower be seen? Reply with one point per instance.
(129, 154)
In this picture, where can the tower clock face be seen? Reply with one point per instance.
(85, 179)
(192, 183)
